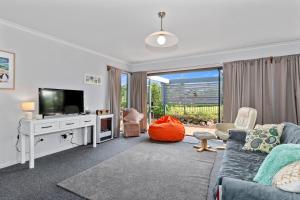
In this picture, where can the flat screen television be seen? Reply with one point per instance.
(58, 101)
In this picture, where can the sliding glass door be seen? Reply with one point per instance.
(194, 97)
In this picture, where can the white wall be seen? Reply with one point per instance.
(42, 62)
(218, 58)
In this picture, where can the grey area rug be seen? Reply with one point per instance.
(148, 171)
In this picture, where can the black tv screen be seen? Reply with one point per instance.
(57, 101)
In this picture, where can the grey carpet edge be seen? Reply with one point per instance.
(66, 189)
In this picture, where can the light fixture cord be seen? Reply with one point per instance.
(161, 23)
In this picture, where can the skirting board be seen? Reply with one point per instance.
(38, 155)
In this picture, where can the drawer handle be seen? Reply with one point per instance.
(46, 126)
(88, 121)
(69, 124)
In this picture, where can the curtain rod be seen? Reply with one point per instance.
(109, 68)
(178, 70)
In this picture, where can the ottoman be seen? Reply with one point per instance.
(203, 137)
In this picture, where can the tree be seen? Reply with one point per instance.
(124, 96)
(156, 98)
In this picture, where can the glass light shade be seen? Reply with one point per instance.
(161, 39)
(28, 106)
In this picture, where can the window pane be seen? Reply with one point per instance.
(124, 90)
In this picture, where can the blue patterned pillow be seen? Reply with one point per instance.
(263, 138)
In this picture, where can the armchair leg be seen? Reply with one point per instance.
(204, 146)
(198, 146)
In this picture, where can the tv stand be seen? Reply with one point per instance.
(33, 128)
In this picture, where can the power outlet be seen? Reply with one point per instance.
(41, 139)
(64, 136)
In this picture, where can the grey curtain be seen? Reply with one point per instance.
(286, 92)
(114, 89)
(269, 85)
(138, 95)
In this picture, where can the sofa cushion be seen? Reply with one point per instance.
(288, 178)
(240, 164)
(237, 163)
(291, 133)
(279, 157)
(264, 137)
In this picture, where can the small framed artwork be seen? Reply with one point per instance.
(92, 79)
(7, 70)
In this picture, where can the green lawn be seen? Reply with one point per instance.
(193, 113)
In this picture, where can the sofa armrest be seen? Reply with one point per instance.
(237, 135)
(246, 190)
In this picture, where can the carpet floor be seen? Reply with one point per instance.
(18, 182)
(150, 171)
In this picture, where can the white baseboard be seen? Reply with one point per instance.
(38, 155)
(9, 163)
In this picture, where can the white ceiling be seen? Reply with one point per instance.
(118, 27)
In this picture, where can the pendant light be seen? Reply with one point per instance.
(161, 38)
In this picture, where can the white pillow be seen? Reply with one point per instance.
(288, 178)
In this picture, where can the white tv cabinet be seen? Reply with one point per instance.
(33, 128)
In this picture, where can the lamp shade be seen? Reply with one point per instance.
(161, 39)
(28, 106)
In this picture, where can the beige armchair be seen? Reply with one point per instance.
(245, 120)
(132, 122)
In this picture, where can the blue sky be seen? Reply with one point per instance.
(189, 75)
(124, 78)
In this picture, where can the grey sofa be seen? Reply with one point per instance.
(239, 167)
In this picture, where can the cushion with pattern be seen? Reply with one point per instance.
(263, 138)
(288, 178)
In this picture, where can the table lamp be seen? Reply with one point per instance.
(28, 107)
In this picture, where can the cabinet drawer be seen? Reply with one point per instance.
(87, 122)
(69, 124)
(46, 127)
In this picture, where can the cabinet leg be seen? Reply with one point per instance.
(85, 136)
(23, 148)
(94, 136)
(31, 151)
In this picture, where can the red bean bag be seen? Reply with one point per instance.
(167, 129)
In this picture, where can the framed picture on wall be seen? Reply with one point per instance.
(92, 79)
(7, 70)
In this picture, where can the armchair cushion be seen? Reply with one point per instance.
(224, 126)
(133, 116)
(222, 130)
(245, 120)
